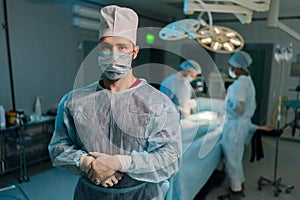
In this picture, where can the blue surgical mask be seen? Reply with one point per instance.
(114, 65)
(231, 73)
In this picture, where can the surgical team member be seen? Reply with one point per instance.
(240, 106)
(120, 134)
(178, 88)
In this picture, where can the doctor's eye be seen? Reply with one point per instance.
(122, 48)
(104, 48)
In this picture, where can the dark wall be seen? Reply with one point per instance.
(44, 53)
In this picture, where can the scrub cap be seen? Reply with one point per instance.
(240, 59)
(191, 65)
(118, 21)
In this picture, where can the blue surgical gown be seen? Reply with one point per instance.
(178, 89)
(237, 126)
(140, 121)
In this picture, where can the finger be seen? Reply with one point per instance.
(118, 175)
(109, 182)
(88, 168)
(96, 181)
(114, 180)
(90, 173)
(105, 183)
(94, 154)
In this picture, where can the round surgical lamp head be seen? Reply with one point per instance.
(222, 39)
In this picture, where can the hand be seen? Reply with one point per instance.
(100, 170)
(184, 112)
(266, 128)
(192, 103)
(113, 180)
(85, 162)
(111, 161)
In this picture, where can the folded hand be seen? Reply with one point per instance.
(113, 180)
(104, 169)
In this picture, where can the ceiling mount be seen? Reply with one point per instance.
(242, 9)
(273, 20)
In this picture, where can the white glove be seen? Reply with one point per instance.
(184, 112)
(117, 162)
(100, 171)
(85, 162)
(113, 180)
(104, 166)
(192, 103)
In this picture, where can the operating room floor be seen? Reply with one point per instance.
(47, 183)
(288, 169)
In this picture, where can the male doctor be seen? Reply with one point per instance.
(120, 134)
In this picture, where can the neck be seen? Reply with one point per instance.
(242, 72)
(119, 85)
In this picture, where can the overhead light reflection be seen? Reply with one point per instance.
(230, 34)
(235, 42)
(217, 30)
(206, 40)
(228, 46)
(216, 46)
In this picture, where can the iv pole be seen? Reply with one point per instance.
(277, 181)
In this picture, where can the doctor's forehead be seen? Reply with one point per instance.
(115, 40)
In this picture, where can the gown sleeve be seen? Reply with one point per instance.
(162, 157)
(64, 147)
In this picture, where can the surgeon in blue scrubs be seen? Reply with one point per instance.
(240, 106)
(178, 88)
(120, 134)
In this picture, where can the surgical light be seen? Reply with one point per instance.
(230, 34)
(206, 40)
(235, 41)
(222, 40)
(215, 45)
(217, 30)
(228, 46)
(214, 38)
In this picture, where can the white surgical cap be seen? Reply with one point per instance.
(118, 21)
(192, 66)
(240, 59)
